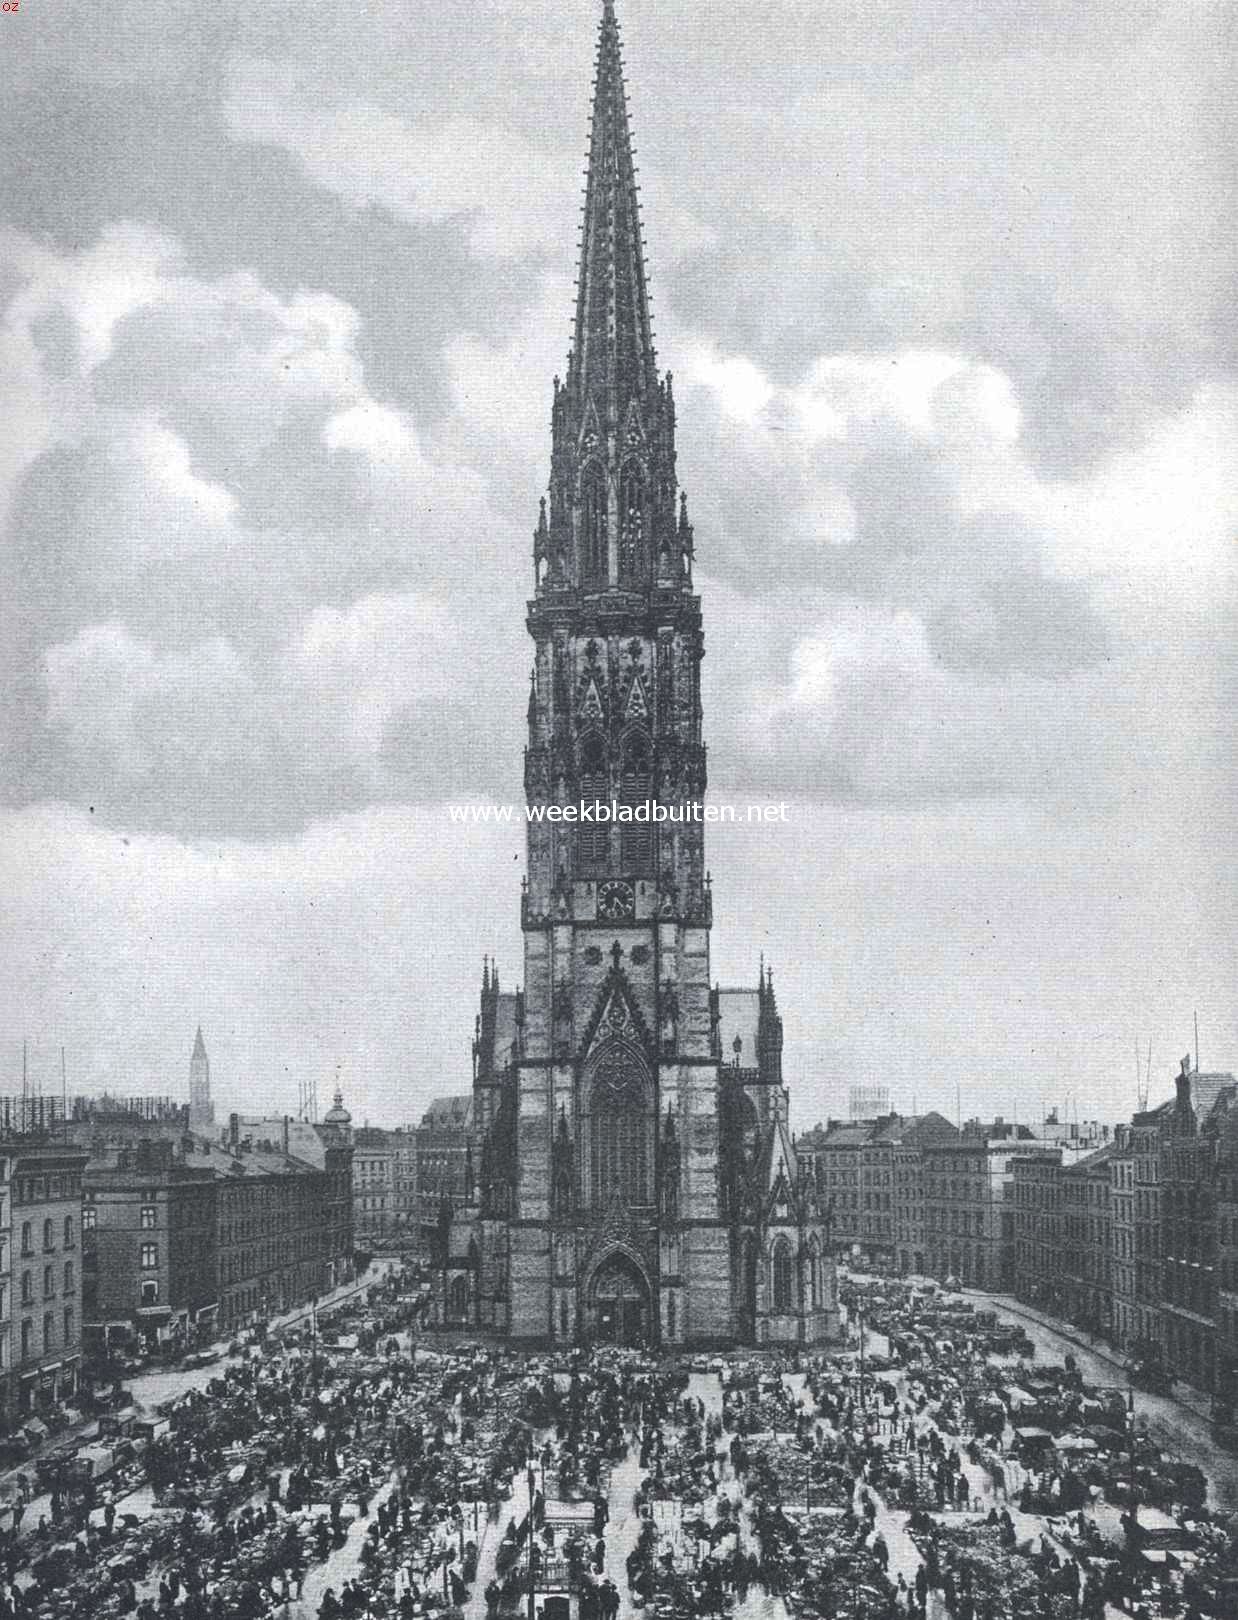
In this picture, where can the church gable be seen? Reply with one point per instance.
(616, 1016)
(638, 704)
(774, 1177)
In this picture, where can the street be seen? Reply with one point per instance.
(1176, 1426)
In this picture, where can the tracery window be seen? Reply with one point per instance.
(631, 522)
(593, 525)
(784, 1276)
(620, 1149)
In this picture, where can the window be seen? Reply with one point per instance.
(147, 1219)
(27, 1238)
(68, 1326)
(68, 1231)
(27, 1339)
(27, 1288)
(49, 1332)
(459, 1296)
(636, 838)
(593, 840)
(150, 1256)
(49, 1282)
(631, 522)
(49, 1234)
(68, 1276)
(783, 1276)
(620, 1156)
(89, 1219)
(594, 525)
(150, 1293)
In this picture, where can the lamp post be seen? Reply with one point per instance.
(533, 1554)
(860, 1323)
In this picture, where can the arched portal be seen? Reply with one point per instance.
(619, 1302)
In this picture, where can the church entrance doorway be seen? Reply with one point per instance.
(620, 1301)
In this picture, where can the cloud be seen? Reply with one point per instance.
(432, 170)
(123, 706)
(948, 303)
(213, 473)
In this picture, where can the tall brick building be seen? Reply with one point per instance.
(149, 1244)
(1192, 1131)
(41, 1251)
(635, 1176)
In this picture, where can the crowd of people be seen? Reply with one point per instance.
(383, 1477)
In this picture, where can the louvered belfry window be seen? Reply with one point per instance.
(593, 838)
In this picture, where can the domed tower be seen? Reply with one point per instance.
(335, 1132)
(336, 1127)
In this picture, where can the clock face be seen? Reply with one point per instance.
(616, 900)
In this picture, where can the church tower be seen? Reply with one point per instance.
(606, 1207)
(616, 910)
(201, 1108)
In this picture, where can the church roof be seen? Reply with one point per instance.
(199, 1045)
(449, 1112)
(613, 348)
(505, 1027)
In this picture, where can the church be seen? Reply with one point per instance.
(633, 1178)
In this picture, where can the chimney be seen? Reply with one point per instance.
(234, 1132)
(285, 1135)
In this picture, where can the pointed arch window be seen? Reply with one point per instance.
(594, 525)
(636, 838)
(593, 839)
(782, 1266)
(620, 1135)
(632, 522)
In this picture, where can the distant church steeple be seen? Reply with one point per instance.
(201, 1108)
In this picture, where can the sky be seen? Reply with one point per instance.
(947, 294)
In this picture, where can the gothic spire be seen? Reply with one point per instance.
(199, 1045)
(613, 357)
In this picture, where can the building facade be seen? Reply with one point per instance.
(969, 1204)
(1191, 1133)
(1226, 1378)
(444, 1159)
(44, 1186)
(405, 1207)
(1124, 1327)
(636, 1179)
(1087, 1251)
(1036, 1192)
(872, 1171)
(148, 1247)
(373, 1185)
(1146, 1147)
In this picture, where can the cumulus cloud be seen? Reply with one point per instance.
(215, 475)
(432, 170)
(951, 332)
